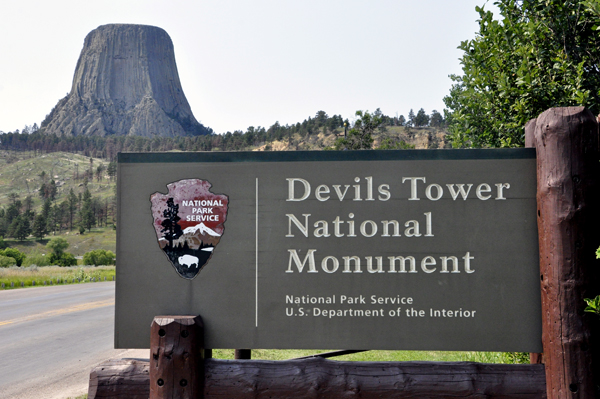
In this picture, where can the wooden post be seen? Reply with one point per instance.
(243, 354)
(566, 140)
(176, 357)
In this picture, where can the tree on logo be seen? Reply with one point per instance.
(171, 228)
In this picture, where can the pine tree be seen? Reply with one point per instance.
(52, 190)
(40, 227)
(422, 119)
(411, 119)
(20, 228)
(86, 213)
(111, 169)
(72, 207)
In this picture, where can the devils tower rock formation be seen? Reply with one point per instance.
(125, 83)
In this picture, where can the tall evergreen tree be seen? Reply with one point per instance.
(72, 201)
(436, 119)
(411, 118)
(39, 227)
(422, 119)
(86, 213)
(20, 228)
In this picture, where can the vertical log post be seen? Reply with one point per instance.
(243, 354)
(566, 140)
(176, 357)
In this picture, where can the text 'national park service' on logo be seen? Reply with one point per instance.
(188, 221)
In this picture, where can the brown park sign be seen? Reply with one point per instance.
(415, 249)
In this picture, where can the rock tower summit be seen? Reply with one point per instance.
(125, 83)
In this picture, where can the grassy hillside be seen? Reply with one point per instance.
(79, 244)
(20, 174)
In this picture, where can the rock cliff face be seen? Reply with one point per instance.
(125, 83)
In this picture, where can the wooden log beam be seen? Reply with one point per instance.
(566, 140)
(120, 378)
(322, 378)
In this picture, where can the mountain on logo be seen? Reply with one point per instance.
(202, 229)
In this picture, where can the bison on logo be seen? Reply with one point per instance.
(188, 221)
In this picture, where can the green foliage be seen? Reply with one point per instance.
(64, 259)
(593, 305)
(7, 261)
(360, 137)
(390, 143)
(411, 118)
(14, 253)
(422, 119)
(541, 54)
(39, 227)
(436, 119)
(57, 245)
(19, 228)
(99, 257)
(86, 213)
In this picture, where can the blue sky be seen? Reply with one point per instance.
(244, 63)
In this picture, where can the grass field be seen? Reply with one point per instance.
(379, 356)
(12, 277)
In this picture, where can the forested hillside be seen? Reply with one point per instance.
(314, 133)
(51, 193)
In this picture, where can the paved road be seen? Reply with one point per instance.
(51, 338)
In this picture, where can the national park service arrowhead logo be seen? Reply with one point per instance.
(188, 221)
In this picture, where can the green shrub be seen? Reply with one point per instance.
(6, 261)
(59, 256)
(57, 245)
(14, 253)
(64, 259)
(99, 257)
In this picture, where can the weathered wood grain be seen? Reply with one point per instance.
(321, 378)
(566, 140)
(120, 378)
(176, 363)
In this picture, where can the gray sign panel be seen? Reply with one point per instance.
(416, 249)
